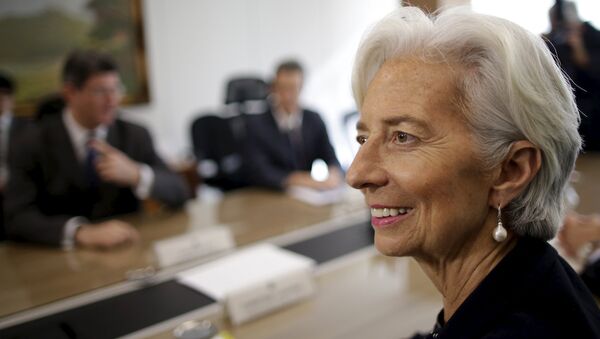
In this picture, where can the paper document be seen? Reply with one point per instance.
(316, 197)
(244, 269)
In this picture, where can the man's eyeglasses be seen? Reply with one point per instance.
(117, 91)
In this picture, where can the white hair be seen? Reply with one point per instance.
(511, 90)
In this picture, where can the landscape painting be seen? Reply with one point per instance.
(36, 36)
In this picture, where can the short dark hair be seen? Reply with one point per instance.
(83, 64)
(7, 84)
(289, 65)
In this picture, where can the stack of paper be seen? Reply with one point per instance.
(316, 197)
(254, 281)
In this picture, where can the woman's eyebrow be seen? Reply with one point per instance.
(361, 126)
(396, 120)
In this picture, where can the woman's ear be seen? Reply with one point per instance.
(518, 169)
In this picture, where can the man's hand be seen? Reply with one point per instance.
(303, 178)
(577, 231)
(106, 235)
(114, 166)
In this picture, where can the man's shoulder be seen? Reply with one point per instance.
(34, 130)
(130, 128)
(260, 122)
(311, 117)
(311, 113)
(20, 122)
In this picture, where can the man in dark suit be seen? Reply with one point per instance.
(578, 231)
(283, 142)
(10, 127)
(75, 171)
(576, 45)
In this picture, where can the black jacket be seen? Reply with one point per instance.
(586, 82)
(17, 126)
(270, 156)
(47, 183)
(531, 293)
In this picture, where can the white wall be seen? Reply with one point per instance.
(193, 46)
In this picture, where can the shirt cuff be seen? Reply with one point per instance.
(142, 190)
(71, 227)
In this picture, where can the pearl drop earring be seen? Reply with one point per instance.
(499, 232)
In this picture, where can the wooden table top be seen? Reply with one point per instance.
(32, 275)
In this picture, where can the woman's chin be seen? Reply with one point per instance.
(390, 247)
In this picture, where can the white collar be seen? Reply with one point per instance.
(6, 118)
(79, 135)
(288, 121)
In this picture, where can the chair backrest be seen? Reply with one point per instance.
(242, 89)
(50, 105)
(217, 143)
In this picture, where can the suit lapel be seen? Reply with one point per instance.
(64, 151)
(282, 144)
(112, 136)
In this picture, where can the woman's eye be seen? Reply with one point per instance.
(361, 139)
(403, 138)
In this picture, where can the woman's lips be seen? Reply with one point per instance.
(384, 216)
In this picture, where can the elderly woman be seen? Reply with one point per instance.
(468, 133)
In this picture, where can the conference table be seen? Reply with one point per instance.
(359, 293)
(39, 282)
(32, 275)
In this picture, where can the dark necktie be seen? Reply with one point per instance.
(91, 154)
(295, 139)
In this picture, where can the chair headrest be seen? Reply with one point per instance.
(244, 89)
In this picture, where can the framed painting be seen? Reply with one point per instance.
(37, 35)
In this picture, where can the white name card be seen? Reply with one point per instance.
(193, 245)
(270, 295)
(316, 197)
(254, 281)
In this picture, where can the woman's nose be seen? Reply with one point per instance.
(366, 169)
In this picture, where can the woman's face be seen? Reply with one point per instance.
(417, 165)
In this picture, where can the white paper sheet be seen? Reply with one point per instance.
(244, 269)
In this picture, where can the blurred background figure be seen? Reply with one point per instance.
(576, 44)
(284, 142)
(78, 169)
(582, 233)
(10, 127)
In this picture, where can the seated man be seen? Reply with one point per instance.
(579, 231)
(10, 127)
(76, 170)
(283, 142)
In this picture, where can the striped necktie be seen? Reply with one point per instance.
(91, 154)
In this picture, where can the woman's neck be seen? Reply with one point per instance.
(457, 275)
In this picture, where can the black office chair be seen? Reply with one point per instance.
(217, 143)
(49, 106)
(247, 95)
(218, 140)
